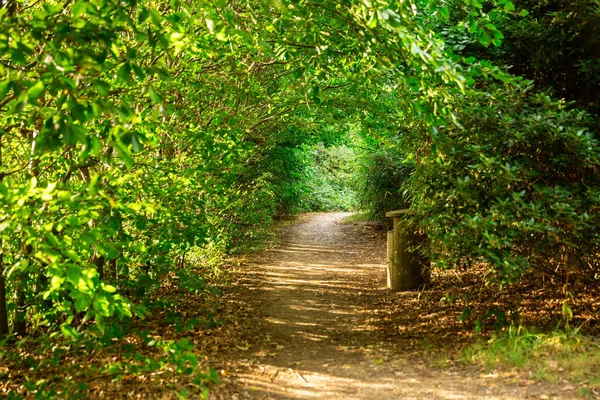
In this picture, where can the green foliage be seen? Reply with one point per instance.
(135, 133)
(330, 174)
(141, 140)
(556, 43)
(312, 177)
(515, 186)
(554, 357)
(384, 169)
(167, 358)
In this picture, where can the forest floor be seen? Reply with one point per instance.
(312, 319)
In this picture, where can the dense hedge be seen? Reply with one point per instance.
(516, 185)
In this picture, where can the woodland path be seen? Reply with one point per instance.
(307, 326)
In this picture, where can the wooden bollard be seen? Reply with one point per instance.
(405, 269)
(390, 257)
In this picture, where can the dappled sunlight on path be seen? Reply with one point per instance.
(314, 333)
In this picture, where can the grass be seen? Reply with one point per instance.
(553, 357)
(361, 217)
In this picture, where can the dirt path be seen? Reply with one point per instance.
(308, 329)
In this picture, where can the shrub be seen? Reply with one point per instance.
(383, 172)
(515, 186)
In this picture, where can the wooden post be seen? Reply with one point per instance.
(390, 257)
(405, 269)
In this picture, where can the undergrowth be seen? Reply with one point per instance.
(555, 357)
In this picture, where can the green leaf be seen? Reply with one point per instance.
(372, 23)
(509, 6)
(73, 274)
(278, 4)
(109, 288)
(72, 254)
(524, 13)
(138, 71)
(473, 25)
(36, 91)
(102, 87)
(433, 132)
(17, 56)
(135, 143)
(143, 17)
(485, 38)
(124, 153)
(392, 18)
(69, 332)
(124, 73)
(156, 17)
(464, 316)
(444, 13)
(102, 305)
(82, 302)
(153, 95)
(79, 8)
(4, 88)
(567, 311)
(100, 324)
(55, 283)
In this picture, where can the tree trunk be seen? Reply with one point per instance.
(3, 308)
(99, 262)
(19, 320)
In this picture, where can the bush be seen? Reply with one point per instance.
(312, 177)
(330, 175)
(383, 171)
(516, 187)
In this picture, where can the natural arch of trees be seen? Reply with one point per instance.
(142, 138)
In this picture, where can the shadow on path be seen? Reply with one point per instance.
(314, 333)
